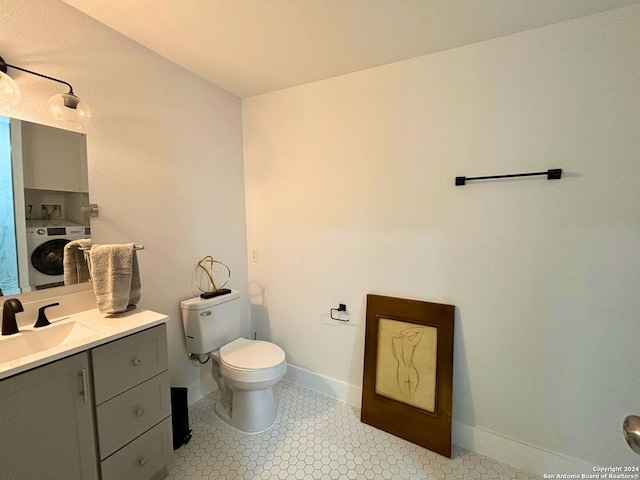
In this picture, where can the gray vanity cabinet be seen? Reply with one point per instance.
(107, 418)
(46, 423)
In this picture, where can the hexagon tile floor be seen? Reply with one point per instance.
(317, 437)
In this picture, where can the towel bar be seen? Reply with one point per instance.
(135, 247)
(552, 174)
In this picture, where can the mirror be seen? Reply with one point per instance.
(43, 186)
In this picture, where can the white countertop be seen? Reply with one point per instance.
(108, 328)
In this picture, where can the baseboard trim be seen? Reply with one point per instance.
(337, 389)
(514, 452)
(485, 442)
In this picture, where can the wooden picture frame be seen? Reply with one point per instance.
(408, 370)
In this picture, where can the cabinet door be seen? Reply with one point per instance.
(54, 159)
(46, 423)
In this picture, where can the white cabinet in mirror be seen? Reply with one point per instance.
(43, 187)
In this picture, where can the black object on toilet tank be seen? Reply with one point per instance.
(217, 293)
(180, 417)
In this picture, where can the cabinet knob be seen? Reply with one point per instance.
(139, 412)
(136, 361)
(142, 461)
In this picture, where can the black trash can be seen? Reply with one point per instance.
(180, 417)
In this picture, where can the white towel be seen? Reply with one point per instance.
(116, 277)
(74, 262)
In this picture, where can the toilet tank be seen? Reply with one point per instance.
(211, 323)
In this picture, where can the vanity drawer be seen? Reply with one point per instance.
(126, 416)
(123, 364)
(145, 458)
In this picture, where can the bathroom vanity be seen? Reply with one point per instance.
(94, 407)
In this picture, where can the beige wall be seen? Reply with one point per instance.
(164, 151)
(350, 190)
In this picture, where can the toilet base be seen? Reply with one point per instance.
(252, 411)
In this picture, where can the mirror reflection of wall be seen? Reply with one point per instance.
(43, 177)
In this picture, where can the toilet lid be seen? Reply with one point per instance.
(251, 354)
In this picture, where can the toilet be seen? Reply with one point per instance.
(244, 370)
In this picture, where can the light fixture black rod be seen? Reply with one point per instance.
(4, 65)
(552, 174)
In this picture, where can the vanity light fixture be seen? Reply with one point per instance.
(66, 107)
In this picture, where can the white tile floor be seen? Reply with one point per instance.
(317, 437)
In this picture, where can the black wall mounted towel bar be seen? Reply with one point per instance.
(552, 174)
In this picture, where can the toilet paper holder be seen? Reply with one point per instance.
(341, 308)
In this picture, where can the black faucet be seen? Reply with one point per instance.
(43, 321)
(9, 310)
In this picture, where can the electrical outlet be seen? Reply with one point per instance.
(253, 254)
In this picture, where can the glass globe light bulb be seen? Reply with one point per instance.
(9, 91)
(68, 108)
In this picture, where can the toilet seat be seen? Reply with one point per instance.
(251, 361)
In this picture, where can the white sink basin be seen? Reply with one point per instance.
(79, 332)
(34, 340)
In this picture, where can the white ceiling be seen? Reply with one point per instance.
(250, 47)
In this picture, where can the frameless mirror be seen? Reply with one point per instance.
(43, 186)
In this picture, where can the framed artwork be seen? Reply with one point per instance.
(408, 370)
